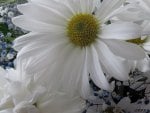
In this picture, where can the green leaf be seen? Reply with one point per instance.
(8, 39)
(4, 28)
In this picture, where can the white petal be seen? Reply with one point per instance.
(143, 65)
(125, 50)
(42, 38)
(130, 12)
(107, 7)
(147, 2)
(23, 40)
(32, 50)
(87, 6)
(71, 80)
(85, 87)
(44, 58)
(146, 30)
(41, 13)
(7, 111)
(34, 25)
(96, 73)
(58, 6)
(73, 6)
(53, 74)
(146, 47)
(35, 46)
(62, 103)
(2, 72)
(116, 67)
(121, 31)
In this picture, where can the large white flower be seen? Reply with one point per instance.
(28, 96)
(71, 40)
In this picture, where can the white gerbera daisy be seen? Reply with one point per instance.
(69, 42)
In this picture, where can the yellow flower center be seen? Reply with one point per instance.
(83, 29)
(137, 41)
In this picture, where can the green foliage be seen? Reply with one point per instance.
(14, 33)
(4, 28)
(6, 1)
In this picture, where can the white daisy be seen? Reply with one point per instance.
(17, 96)
(138, 11)
(69, 42)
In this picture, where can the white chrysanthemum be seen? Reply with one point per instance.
(17, 96)
(71, 40)
(138, 11)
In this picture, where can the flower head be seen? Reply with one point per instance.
(71, 42)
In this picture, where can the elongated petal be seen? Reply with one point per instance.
(147, 47)
(7, 111)
(42, 13)
(131, 13)
(107, 7)
(42, 60)
(85, 87)
(143, 65)
(53, 79)
(33, 25)
(67, 6)
(71, 80)
(146, 30)
(96, 73)
(126, 50)
(43, 38)
(87, 6)
(121, 31)
(65, 80)
(115, 66)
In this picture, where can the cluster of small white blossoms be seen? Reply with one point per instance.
(69, 43)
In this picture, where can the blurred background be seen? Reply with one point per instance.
(8, 32)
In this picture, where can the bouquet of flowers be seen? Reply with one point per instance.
(79, 56)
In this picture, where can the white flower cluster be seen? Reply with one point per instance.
(69, 43)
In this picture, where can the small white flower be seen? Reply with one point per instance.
(10, 14)
(27, 96)
(10, 56)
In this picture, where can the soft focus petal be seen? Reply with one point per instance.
(107, 7)
(126, 50)
(96, 73)
(85, 87)
(131, 13)
(143, 65)
(114, 66)
(7, 111)
(34, 25)
(121, 31)
(44, 59)
(87, 6)
(42, 39)
(146, 29)
(47, 15)
(57, 6)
